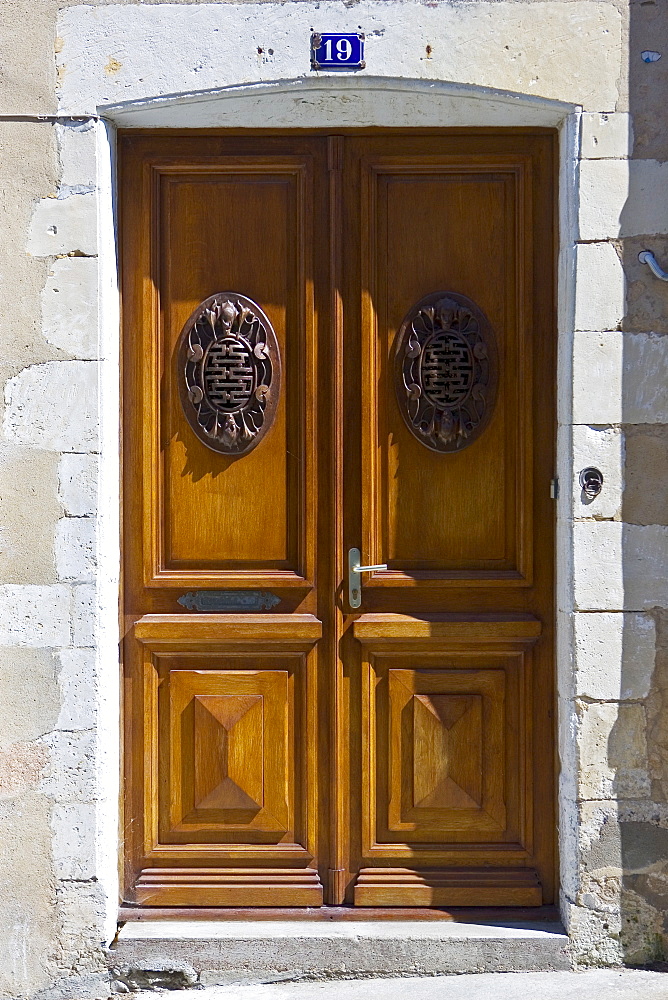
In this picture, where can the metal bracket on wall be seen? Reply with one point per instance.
(647, 257)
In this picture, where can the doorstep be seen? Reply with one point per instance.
(209, 951)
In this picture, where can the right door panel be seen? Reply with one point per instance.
(449, 377)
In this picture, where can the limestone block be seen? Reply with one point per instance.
(646, 474)
(35, 615)
(29, 511)
(28, 695)
(78, 154)
(76, 549)
(604, 191)
(22, 767)
(599, 288)
(74, 840)
(70, 306)
(54, 406)
(614, 655)
(81, 912)
(64, 226)
(72, 773)
(620, 567)
(563, 52)
(645, 386)
(78, 689)
(597, 378)
(646, 296)
(606, 136)
(28, 172)
(602, 447)
(622, 198)
(648, 82)
(84, 610)
(657, 715)
(29, 940)
(646, 210)
(77, 484)
(613, 751)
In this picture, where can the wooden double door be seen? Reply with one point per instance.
(337, 343)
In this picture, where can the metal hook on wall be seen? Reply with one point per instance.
(647, 257)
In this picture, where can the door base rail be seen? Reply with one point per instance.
(229, 887)
(448, 887)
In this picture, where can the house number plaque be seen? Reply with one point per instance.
(229, 373)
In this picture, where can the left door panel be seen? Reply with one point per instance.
(207, 528)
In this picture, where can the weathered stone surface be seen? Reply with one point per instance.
(606, 136)
(646, 296)
(69, 306)
(600, 218)
(77, 154)
(77, 688)
(599, 288)
(634, 201)
(620, 378)
(76, 549)
(54, 406)
(35, 616)
(64, 226)
(597, 378)
(28, 695)
(614, 655)
(27, 172)
(29, 512)
(576, 56)
(602, 447)
(27, 894)
(84, 610)
(657, 713)
(645, 386)
(648, 82)
(613, 751)
(646, 474)
(77, 484)
(620, 567)
(74, 841)
(71, 778)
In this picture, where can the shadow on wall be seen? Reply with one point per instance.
(638, 741)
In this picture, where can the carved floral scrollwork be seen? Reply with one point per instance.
(445, 371)
(229, 373)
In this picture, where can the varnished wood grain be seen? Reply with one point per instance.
(402, 756)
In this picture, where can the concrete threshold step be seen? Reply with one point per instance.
(211, 951)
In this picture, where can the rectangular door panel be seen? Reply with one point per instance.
(229, 712)
(201, 225)
(446, 718)
(433, 226)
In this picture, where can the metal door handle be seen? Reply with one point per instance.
(354, 582)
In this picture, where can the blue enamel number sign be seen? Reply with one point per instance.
(330, 51)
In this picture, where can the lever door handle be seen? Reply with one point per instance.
(354, 582)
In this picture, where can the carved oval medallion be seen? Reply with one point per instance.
(446, 371)
(229, 372)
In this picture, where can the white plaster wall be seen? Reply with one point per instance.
(504, 63)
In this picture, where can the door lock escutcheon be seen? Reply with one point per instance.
(354, 577)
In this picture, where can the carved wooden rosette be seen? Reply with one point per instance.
(446, 371)
(229, 373)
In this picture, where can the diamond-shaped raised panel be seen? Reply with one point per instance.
(447, 751)
(224, 755)
(228, 752)
(442, 751)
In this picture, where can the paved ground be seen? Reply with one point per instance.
(605, 984)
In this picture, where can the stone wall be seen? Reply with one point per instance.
(576, 62)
